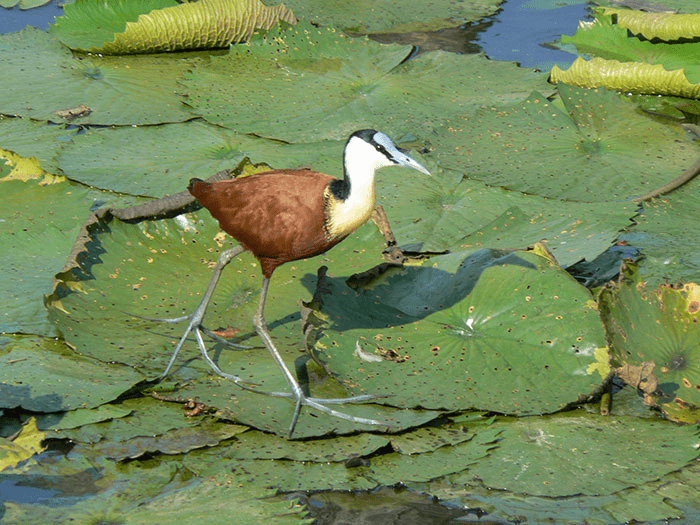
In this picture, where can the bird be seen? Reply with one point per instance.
(285, 215)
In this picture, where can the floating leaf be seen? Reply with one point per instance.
(665, 26)
(606, 40)
(22, 447)
(42, 375)
(42, 79)
(319, 84)
(126, 27)
(606, 148)
(628, 77)
(571, 454)
(665, 231)
(155, 161)
(482, 332)
(660, 327)
(160, 269)
(39, 228)
(391, 15)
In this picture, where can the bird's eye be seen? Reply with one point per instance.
(381, 149)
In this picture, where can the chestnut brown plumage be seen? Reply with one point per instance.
(286, 215)
(263, 224)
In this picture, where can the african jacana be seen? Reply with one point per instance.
(285, 215)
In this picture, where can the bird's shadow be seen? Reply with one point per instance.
(390, 295)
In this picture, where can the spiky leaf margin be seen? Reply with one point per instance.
(628, 77)
(665, 26)
(198, 25)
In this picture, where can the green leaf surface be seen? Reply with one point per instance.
(444, 212)
(43, 375)
(41, 77)
(29, 138)
(610, 41)
(322, 85)
(156, 161)
(126, 27)
(81, 416)
(379, 470)
(597, 147)
(87, 24)
(567, 455)
(391, 15)
(39, 228)
(627, 77)
(482, 331)
(659, 328)
(664, 26)
(666, 233)
(159, 269)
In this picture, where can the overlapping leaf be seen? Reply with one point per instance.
(319, 84)
(391, 15)
(160, 269)
(484, 331)
(654, 334)
(43, 375)
(42, 79)
(597, 147)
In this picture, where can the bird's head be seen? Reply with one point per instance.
(369, 149)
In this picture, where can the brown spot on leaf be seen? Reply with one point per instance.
(640, 377)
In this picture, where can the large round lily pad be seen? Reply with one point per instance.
(508, 332)
(160, 269)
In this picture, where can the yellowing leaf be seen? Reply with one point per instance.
(628, 77)
(666, 26)
(23, 447)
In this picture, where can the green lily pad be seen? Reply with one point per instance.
(44, 81)
(43, 375)
(159, 269)
(664, 26)
(39, 227)
(605, 148)
(481, 331)
(338, 84)
(81, 416)
(627, 77)
(123, 27)
(448, 212)
(572, 454)
(380, 469)
(656, 333)
(29, 138)
(665, 232)
(392, 15)
(154, 161)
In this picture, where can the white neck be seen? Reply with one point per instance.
(361, 162)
